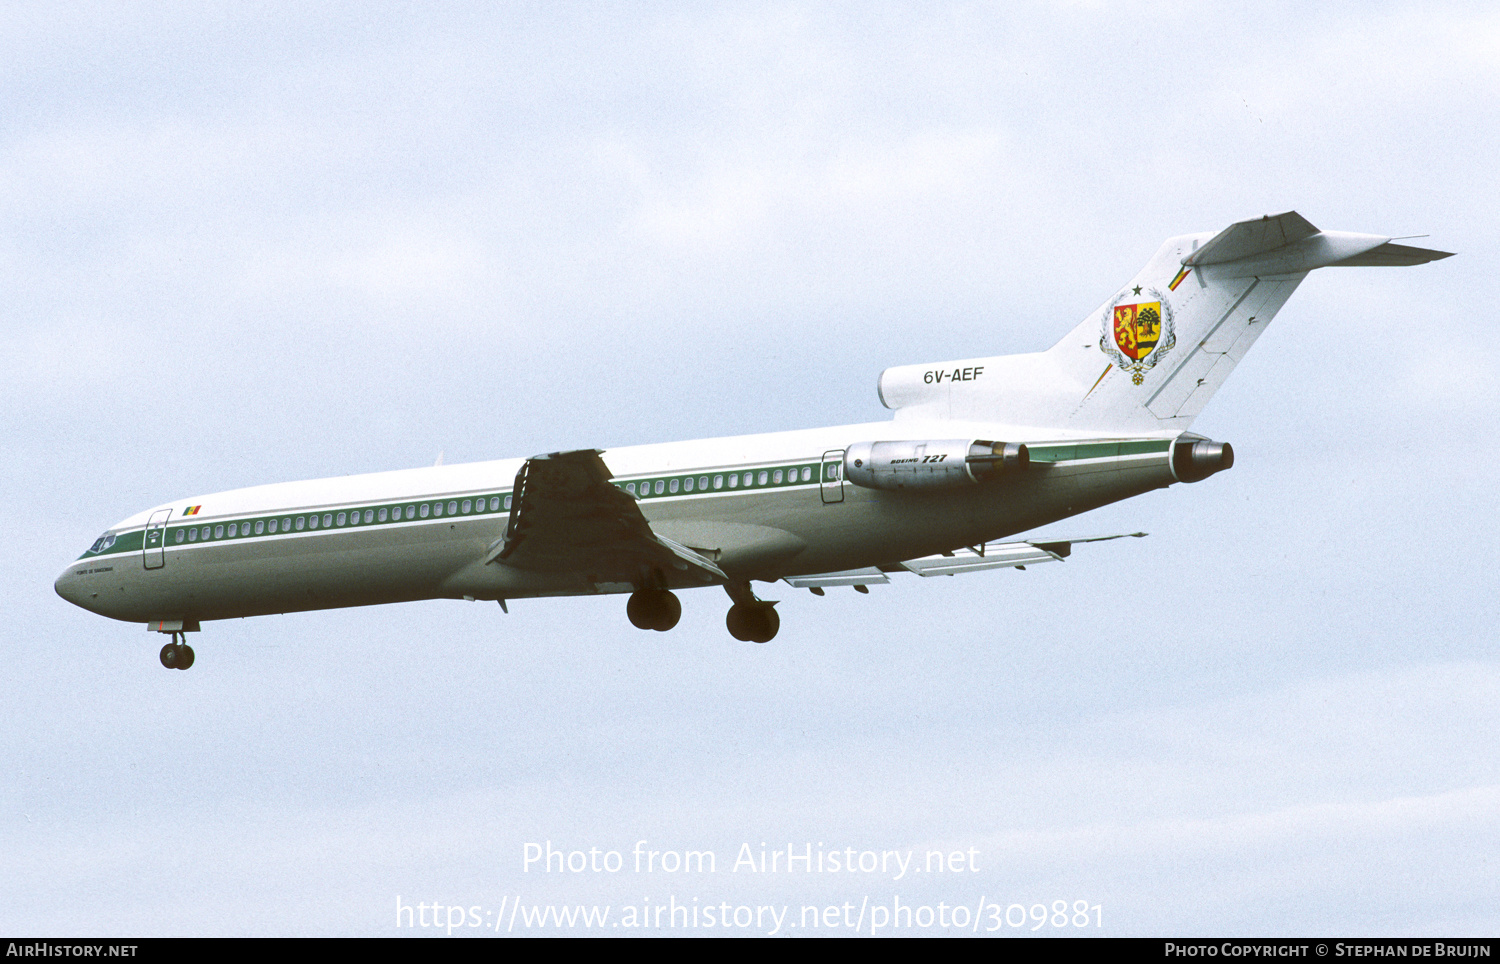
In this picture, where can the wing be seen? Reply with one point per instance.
(567, 516)
(994, 555)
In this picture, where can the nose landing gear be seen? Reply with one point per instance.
(177, 655)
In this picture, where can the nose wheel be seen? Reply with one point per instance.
(177, 655)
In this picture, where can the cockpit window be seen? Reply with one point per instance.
(103, 542)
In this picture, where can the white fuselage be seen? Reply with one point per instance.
(761, 507)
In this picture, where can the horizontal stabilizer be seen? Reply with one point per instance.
(1392, 255)
(1287, 244)
(1247, 239)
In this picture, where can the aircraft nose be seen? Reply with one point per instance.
(70, 586)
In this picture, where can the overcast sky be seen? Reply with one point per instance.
(264, 242)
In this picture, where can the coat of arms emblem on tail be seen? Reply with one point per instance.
(1138, 332)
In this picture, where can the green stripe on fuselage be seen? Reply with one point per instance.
(1081, 451)
(429, 509)
(644, 488)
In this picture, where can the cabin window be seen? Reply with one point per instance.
(341, 517)
(734, 481)
(425, 510)
(179, 535)
(763, 477)
(718, 481)
(218, 532)
(660, 486)
(466, 506)
(327, 519)
(630, 487)
(369, 515)
(384, 514)
(495, 504)
(260, 526)
(674, 486)
(703, 483)
(234, 530)
(507, 503)
(452, 507)
(301, 522)
(807, 473)
(776, 477)
(271, 527)
(286, 525)
(192, 535)
(687, 484)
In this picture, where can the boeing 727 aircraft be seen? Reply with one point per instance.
(979, 450)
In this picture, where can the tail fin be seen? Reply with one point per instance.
(1151, 357)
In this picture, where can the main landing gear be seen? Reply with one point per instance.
(177, 655)
(654, 609)
(755, 623)
(750, 619)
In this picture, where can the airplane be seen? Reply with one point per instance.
(978, 451)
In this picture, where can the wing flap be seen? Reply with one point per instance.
(869, 576)
(1001, 555)
(993, 555)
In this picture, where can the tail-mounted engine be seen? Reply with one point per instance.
(941, 464)
(1195, 458)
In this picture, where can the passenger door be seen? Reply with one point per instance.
(833, 476)
(155, 543)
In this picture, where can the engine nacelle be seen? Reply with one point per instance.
(932, 464)
(1195, 458)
